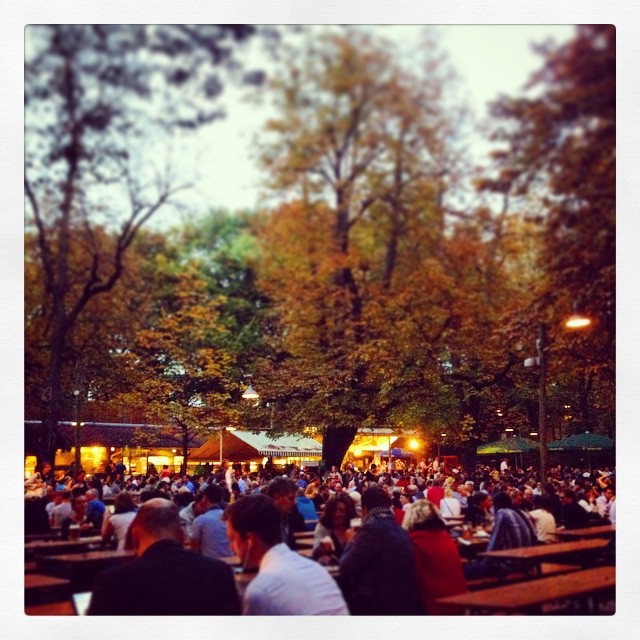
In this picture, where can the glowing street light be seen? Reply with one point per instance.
(577, 321)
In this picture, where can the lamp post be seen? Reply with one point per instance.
(442, 436)
(76, 425)
(542, 399)
(576, 321)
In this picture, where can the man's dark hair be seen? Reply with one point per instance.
(373, 497)
(281, 486)
(213, 493)
(502, 500)
(568, 493)
(255, 513)
(66, 494)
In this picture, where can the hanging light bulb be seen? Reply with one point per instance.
(250, 393)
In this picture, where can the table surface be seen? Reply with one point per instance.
(604, 531)
(64, 608)
(303, 534)
(522, 595)
(43, 581)
(90, 556)
(541, 552)
(39, 545)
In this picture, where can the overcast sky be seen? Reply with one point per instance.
(489, 59)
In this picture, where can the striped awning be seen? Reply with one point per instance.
(245, 444)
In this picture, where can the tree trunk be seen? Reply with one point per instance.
(336, 443)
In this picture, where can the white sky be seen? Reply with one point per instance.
(489, 59)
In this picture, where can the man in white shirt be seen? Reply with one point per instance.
(604, 501)
(287, 583)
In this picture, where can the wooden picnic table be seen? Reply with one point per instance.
(82, 568)
(90, 557)
(53, 546)
(232, 561)
(303, 534)
(34, 581)
(534, 556)
(304, 543)
(528, 597)
(62, 608)
(602, 531)
(36, 537)
(33, 550)
(39, 587)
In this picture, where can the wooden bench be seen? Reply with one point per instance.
(530, 596)
(602, 531)
(577, 552)
(62, 608)
(41, 588)
(546, 569)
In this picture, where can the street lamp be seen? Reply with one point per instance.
(442, 436)
(250, 393)
(576, 321)
(76, 424)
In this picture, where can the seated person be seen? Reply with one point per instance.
(330, 534)
(287, 583)
(511, 530)
(437, 559)
(199, 586)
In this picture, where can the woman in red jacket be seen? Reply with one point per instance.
(437, 559)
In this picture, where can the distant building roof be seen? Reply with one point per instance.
(109, 434)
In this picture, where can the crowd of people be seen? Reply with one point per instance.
(380, 521)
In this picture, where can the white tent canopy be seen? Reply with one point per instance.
(266, 445)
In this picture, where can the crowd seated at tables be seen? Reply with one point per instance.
(386, 520)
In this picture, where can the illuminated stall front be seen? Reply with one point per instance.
(375, 445)
(101, 443)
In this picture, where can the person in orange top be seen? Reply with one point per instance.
(438, 562)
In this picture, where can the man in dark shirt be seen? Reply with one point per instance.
(198, 585)
(572, 515)
(381, 547)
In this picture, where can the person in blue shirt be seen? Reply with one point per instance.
(209, 533)
(95, 509)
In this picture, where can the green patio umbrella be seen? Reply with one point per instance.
(515, 444)
(583, 442)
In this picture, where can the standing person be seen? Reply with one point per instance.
(283, 492)
(437, 559)
(380, 547)
(287, 583)
(199, 586)
(209, 532)
(118, 523)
